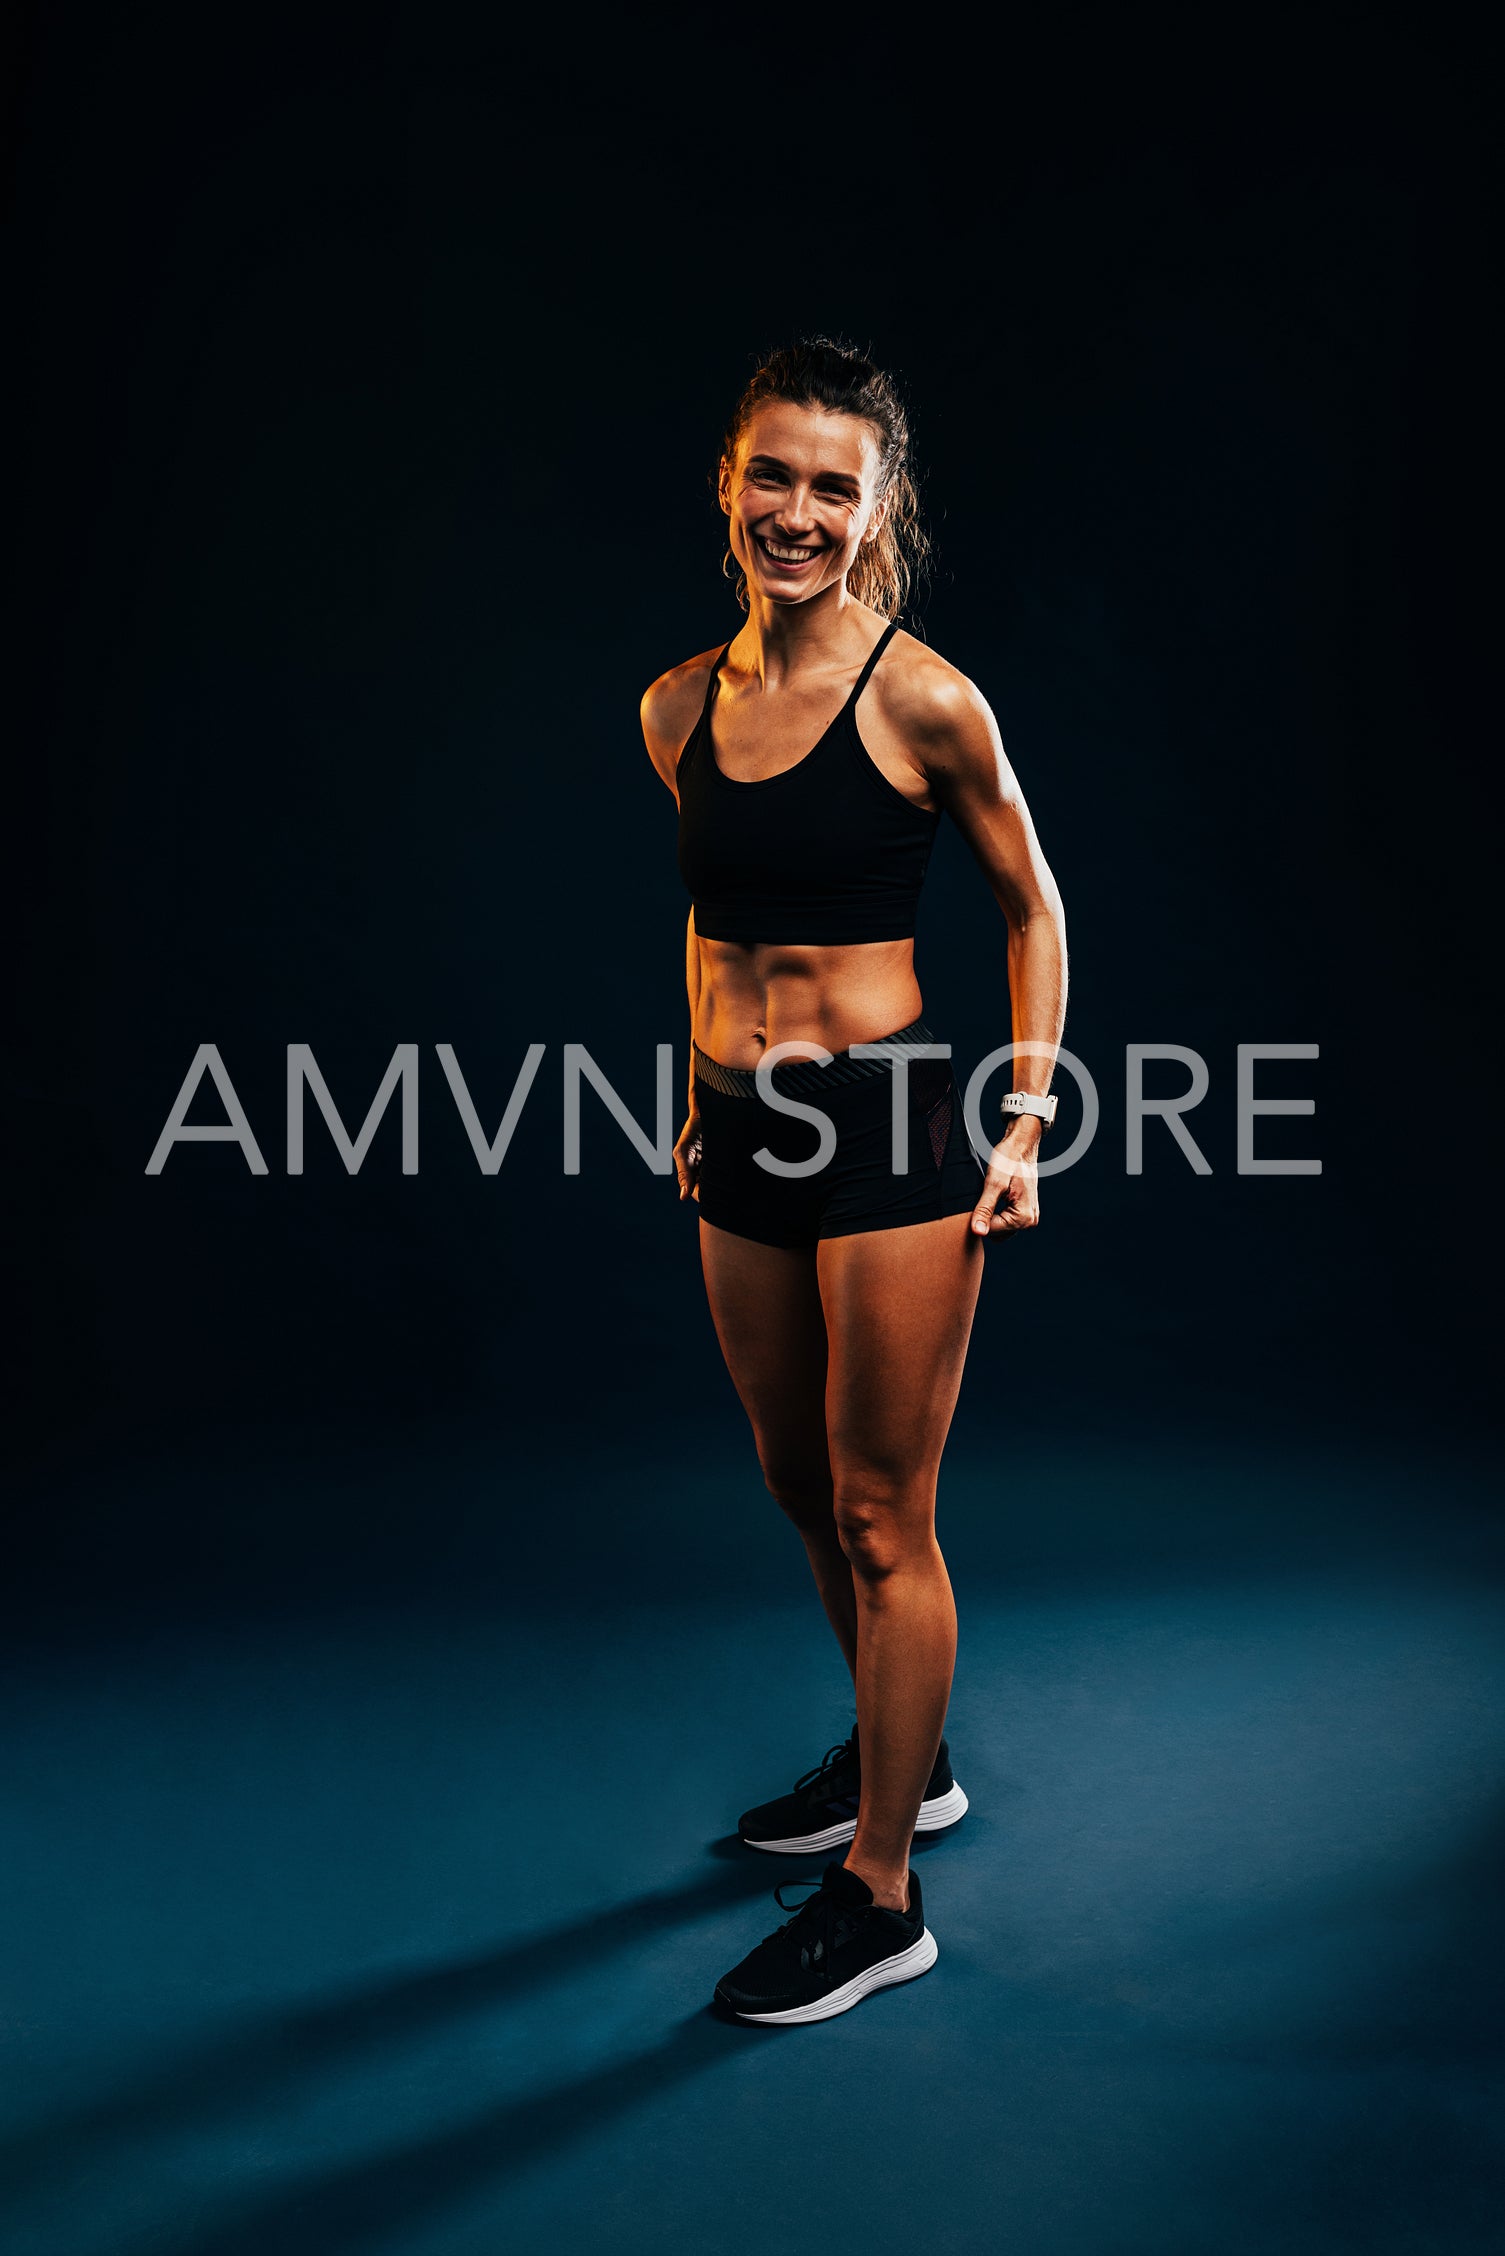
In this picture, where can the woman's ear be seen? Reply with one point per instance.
(876, 522)
(724, 486)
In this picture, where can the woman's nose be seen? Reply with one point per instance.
(797, 513)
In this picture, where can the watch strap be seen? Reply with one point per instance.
(1017, 1104)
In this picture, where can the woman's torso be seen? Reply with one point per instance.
(754, 997)
(797, 821)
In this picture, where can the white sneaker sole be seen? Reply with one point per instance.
(934, 1817)
(918, 1959)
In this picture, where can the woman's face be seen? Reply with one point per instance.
(801, 495)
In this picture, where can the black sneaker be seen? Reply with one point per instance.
(821, 1813)
(838, 1947)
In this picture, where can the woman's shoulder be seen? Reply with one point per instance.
(927, 699)
(671, 706)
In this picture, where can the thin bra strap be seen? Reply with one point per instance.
(700, 725)
(711, 685)
(879, 647)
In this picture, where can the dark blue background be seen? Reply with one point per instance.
(373, 368)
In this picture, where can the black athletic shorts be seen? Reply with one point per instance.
(857, 1188)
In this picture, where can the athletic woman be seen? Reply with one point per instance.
(811, 760)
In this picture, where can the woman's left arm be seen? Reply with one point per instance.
(952, 727)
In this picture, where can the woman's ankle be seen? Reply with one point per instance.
(890, 1889)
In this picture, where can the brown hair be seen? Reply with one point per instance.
(824, 372)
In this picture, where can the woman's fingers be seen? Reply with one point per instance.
(1008, 1201)
(992, 1209)
(687, 1160)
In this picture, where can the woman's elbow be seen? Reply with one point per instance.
(1039, 909)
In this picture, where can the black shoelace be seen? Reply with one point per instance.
(817, 1917)
(815, 1781)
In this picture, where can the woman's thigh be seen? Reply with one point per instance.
(898, 1307)
(766, 1307)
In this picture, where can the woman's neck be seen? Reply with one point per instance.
(780, 639)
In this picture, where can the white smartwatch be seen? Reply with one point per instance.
(1042, 1109)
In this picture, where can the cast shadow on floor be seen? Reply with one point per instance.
(342, 2209)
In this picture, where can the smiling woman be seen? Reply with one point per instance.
(812, 759)
(865, 415)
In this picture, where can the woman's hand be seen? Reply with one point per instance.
(687, 1157)
(1010, 1198)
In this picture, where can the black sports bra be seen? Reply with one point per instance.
(828, 851)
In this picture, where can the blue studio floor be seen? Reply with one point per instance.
(387, 1919)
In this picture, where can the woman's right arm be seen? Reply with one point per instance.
(687, 1150)
(668, 711)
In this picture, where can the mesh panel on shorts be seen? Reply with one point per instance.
(940, 1129)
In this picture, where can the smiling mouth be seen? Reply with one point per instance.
(786, 553)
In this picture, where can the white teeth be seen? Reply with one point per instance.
(788, 555)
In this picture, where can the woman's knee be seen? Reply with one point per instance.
(802, 1493)
(881, 1526)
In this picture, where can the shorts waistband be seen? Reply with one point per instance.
(794, 1075)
